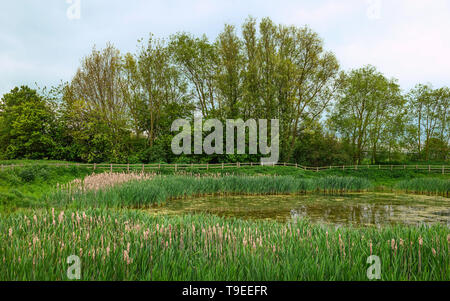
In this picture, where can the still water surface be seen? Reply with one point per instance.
(358, 209)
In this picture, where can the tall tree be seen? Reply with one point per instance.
(197, 60)
(159, 82)
(229, 77)
(94, 100)
(428, 112)
(360, 115)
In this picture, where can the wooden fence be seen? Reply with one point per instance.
(444, 169)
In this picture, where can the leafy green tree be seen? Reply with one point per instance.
(26, 125)
(428, 114)
(366, 105)
(197, 58)
(229, 78)
(95, 109)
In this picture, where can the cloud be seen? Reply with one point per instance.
(409, 42)
(39, 44)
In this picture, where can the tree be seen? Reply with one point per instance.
(428, 110)
(26, 122)
(366, 104)
(95, 107)
(228, 78)
(156, 88)
(288, 76)
(197, 60)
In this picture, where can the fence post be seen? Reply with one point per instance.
(128, 167)
(95, 166)
(317, 169)
(159, 165)
(356, 167)
(143, 167)
(379, 166)
(343, 167)
(222, 165)
(429, 168)
(404, 166)
(443, 169)
(207, 166)
(296, 165)
(176, 166)
(111, 167)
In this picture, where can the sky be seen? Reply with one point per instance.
(43, 42)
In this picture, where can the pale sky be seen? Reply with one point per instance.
(405, 39)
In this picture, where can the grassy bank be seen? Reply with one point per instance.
(24, 186)
(158, 190)
(131, 245)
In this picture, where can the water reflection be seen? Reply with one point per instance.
(368, 209)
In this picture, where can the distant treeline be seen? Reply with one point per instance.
(119, 107)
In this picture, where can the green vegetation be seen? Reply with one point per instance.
(131, 245)
(160, 189)
(428, 186)
(120, 107)
(24, 186)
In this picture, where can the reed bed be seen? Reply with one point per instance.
(430, 186)
(102, 180)
(145, 193)
(132, 245)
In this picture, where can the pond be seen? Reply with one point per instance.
(357, 209)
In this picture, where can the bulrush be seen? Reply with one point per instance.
(61, 216)
(218, 250)
(103, 180)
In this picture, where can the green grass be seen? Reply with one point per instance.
(24, 186)
(160, 189)
(132, 245)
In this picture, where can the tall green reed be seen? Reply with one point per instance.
(163, 188)
(132, 245)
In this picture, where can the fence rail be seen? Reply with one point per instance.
(444, 169)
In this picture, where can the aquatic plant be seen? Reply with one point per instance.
(434, 186)
(132, 245)
(160, 189)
